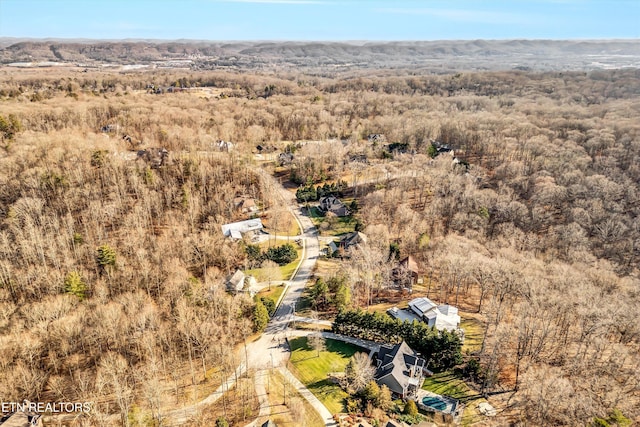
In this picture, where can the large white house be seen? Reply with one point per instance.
(444, 317)
(235, 230)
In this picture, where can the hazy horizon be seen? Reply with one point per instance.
(321, 20)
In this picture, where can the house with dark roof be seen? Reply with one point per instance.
(400, 368)
(406, 273)
(352, 239)
(334, 205)
(376, 138)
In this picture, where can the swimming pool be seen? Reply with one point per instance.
(434, 402)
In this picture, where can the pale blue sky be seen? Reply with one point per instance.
(321, 19)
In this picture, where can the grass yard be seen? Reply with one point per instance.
(285, 271)
(274, 293)
(449, 384)
(310, 327)
(382, 307)
(473, 332)
(281, 414)
(285, 223)
(313, 371)
(316, 216)
(342, 225)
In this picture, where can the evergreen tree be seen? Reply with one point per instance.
(74, 285)
(260, 316)
(410, 408)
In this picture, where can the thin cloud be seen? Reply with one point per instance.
(276, 1)
(458, 15)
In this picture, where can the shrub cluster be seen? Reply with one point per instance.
(281, 255)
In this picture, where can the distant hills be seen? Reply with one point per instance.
(431, 55)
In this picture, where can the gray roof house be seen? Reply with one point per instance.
(400, 368)
(334, 205)
(235, 283)
(443, 317)
(353, 239)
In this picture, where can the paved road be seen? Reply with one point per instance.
(271, 350)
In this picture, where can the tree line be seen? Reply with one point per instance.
(441, 349)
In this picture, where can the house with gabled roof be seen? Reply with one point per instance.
(405, 274)
(353, 239)
(240, 282)
(334, 205)
(400, 368)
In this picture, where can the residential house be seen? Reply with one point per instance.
(334, 205)
(376, 138)
(406, 273)
(245, 205)
(224, 145)
(442, 148)
(236, 230)
(400, 368)
(443, 317)
(240, 282)
(285, 159)
(353, 239)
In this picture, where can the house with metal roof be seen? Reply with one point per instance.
(235, 230)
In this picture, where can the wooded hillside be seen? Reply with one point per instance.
(112, 270)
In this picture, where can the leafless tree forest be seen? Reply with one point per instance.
(112, 269)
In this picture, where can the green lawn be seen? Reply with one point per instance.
(473, 332)
(343, 225)
(448, 384)
(313, 371)
(274, 293)
(285, 271)
(316, 216)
